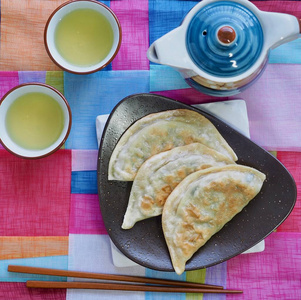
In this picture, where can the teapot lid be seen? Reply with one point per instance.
(224, 39)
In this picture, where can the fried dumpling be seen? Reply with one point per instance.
(161, 173)
(202, 204)
(160, 132)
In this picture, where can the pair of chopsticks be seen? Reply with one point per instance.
(144, 284)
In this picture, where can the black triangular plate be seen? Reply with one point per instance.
(145, 243)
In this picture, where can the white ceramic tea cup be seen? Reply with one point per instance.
(62, 11)
(10, 97)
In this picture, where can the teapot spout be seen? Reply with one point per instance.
(280, 28)
(170, 50)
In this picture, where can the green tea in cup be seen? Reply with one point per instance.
(84, 37)
(34, 121)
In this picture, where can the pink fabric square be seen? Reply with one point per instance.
(189, 96)
(272, 107)
(8, 80)
(292, 161)
(18, 290)
(272, 274)
(35, 195)
(85, 216)
(133, 16)
(288, 7)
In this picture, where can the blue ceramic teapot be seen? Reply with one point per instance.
(222, 47)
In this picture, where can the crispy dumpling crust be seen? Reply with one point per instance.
(161, 132)
(161, 173)
(202, 204)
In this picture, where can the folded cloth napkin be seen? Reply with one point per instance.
(234, 113)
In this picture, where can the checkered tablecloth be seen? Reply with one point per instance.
(49, 208)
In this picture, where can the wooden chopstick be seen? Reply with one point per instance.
(124, 287)
(90, 275)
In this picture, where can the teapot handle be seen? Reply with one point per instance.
(280, 28)
(170, 50)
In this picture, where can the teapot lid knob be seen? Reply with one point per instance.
(226, 35)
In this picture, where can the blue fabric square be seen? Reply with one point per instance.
(96, 94)
(84, 182)
(164, 275)
(165, 16)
